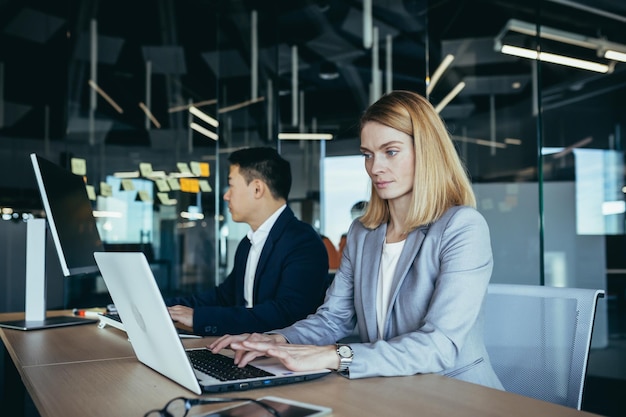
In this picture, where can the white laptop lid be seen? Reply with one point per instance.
(153, 336)
(147, 322)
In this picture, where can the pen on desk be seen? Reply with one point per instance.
(85, 313)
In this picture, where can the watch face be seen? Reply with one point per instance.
(345, 351)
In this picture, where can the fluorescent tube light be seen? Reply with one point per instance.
(512, 141)
(546, 32)
(490, 143)
(451, 95)
(439, 72)
(305, 136)
(240, 105)
(481, 142)
(148, 113)
(203, 116)
(182, 107)
(571, 147)
(105, 96)
(615, 55)
(609, 50)
(554, 58)
(206, 132)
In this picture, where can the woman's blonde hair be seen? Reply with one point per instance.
(440, 181)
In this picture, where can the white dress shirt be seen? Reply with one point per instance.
(257, 241)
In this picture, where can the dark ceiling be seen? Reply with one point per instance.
(199, 50)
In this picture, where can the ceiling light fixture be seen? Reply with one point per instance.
(240, 105)
(148, 113)
(105, 96)
(206, 132)
(451, 95)
(572, 147)
(512, 141)
(555, 58)
(609, 50)
(182, 107)
(481, 142)
(305, 136)
(431, 82)
(202, 115)
(615, 55)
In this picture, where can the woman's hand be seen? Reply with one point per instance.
(225, 341)
(232, 342)
(247, 347)
(295, 357)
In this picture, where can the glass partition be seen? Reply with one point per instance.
(153, 97)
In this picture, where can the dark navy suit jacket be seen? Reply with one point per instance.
(290, 283)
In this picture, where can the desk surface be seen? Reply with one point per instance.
(84, 370)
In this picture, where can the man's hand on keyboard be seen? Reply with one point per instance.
(182, 314)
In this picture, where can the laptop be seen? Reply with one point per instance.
(114, 320)
(156, 343)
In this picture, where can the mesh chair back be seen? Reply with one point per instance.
(538, 339)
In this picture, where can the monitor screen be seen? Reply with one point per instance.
(69, 216)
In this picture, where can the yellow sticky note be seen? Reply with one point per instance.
(91, 192)
(173, 184)
(189, 185)
(127, 185)
(144, 196)
(205, 186)
(162, 185)
(79, 166)
(204, 168)
(200, 169)
(183, 168)
(195, 168)
(105, 189)
(145, 168)
(165, 199)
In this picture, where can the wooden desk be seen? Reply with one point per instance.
(93, 374)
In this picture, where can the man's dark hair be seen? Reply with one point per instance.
(267, 165)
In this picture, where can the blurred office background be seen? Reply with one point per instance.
(119, 91)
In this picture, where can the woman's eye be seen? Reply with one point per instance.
(367, 155)
(392, 152)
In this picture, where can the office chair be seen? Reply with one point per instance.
(538, 339)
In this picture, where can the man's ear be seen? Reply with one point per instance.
(259, 188)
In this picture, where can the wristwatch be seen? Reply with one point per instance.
(345, 354)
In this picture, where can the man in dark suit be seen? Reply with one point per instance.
(280, 270)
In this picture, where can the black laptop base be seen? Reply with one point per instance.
(48, 322)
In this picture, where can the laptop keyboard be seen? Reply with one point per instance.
(113, 316)
(223, 367)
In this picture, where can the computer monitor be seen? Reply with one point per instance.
(70, 221)
(69, 215)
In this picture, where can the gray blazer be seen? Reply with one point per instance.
(435, 318)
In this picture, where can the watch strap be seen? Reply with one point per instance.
(344, 360)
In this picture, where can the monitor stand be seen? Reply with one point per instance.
(35, 307)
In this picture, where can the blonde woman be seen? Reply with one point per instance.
(415, 269)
